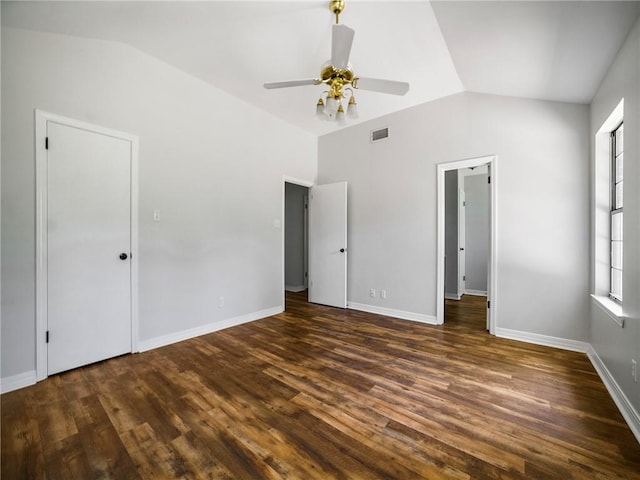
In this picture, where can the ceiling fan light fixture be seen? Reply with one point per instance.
(320, 109)
(340, 117)
(338, 75)
(331, 109)
(352, 107)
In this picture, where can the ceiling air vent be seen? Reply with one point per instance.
(377, 135)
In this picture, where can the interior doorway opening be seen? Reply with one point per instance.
(323, 275)
(466, 239)
(467, 202)
(296, 238)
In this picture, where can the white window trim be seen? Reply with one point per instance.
(612, 308)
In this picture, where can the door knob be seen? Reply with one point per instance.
(123, 256)
(342, 250)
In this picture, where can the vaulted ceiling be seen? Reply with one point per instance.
(550, 50)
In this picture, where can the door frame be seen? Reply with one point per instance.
(490, 160)
(303, 183)
(41, 120)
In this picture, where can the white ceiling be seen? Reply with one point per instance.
(549, 49)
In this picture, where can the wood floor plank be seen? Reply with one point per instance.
(324, 393)
(26, 458)
(105, 451)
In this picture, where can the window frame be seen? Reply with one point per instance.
(615, 211)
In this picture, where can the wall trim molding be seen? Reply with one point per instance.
(295, 288)
(389, 312)
(182, 335)
(630, 414)
(452, 296)
(16, 382)
(545, 340)
(610, 308)
(476, 293)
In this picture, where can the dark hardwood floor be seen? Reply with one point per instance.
(323, 393)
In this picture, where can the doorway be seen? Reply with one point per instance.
(296, 237)
(86, 184)
(469, 242)
(325, 248)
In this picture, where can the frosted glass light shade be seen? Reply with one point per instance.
(352, 108)
(320, 109)
(340, 117)
(332, 107)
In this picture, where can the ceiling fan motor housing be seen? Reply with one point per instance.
(336, 78)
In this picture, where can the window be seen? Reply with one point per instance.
(607, 216)
(616, 212)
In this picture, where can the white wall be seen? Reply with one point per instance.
(212, 165)
(616, 345)
(542, 206)
(294, 238)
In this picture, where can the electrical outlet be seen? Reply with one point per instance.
(220, 302)
(372, 293)
(634, 370)
(383, 294)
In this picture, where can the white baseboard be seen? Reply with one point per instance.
(175, 337)
(416, 317)
(296, 288)
(16, 382)
(452, 296)
(629, 413)
(535, 338)
(477, 293)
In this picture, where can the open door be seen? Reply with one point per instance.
(489, 250)
(461, 242)
(328, 244)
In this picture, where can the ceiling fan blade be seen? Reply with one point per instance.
(293, 83)
(382, 86)
(341, 41)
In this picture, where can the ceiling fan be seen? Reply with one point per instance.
(338, 75)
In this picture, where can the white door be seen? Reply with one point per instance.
(461, 242)
(328, 244)
(89, 244)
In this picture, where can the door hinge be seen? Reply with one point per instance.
(46, 143)
(464, 204)
(47, 337)
(488, 179)
(489, 304)
(464, 278)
